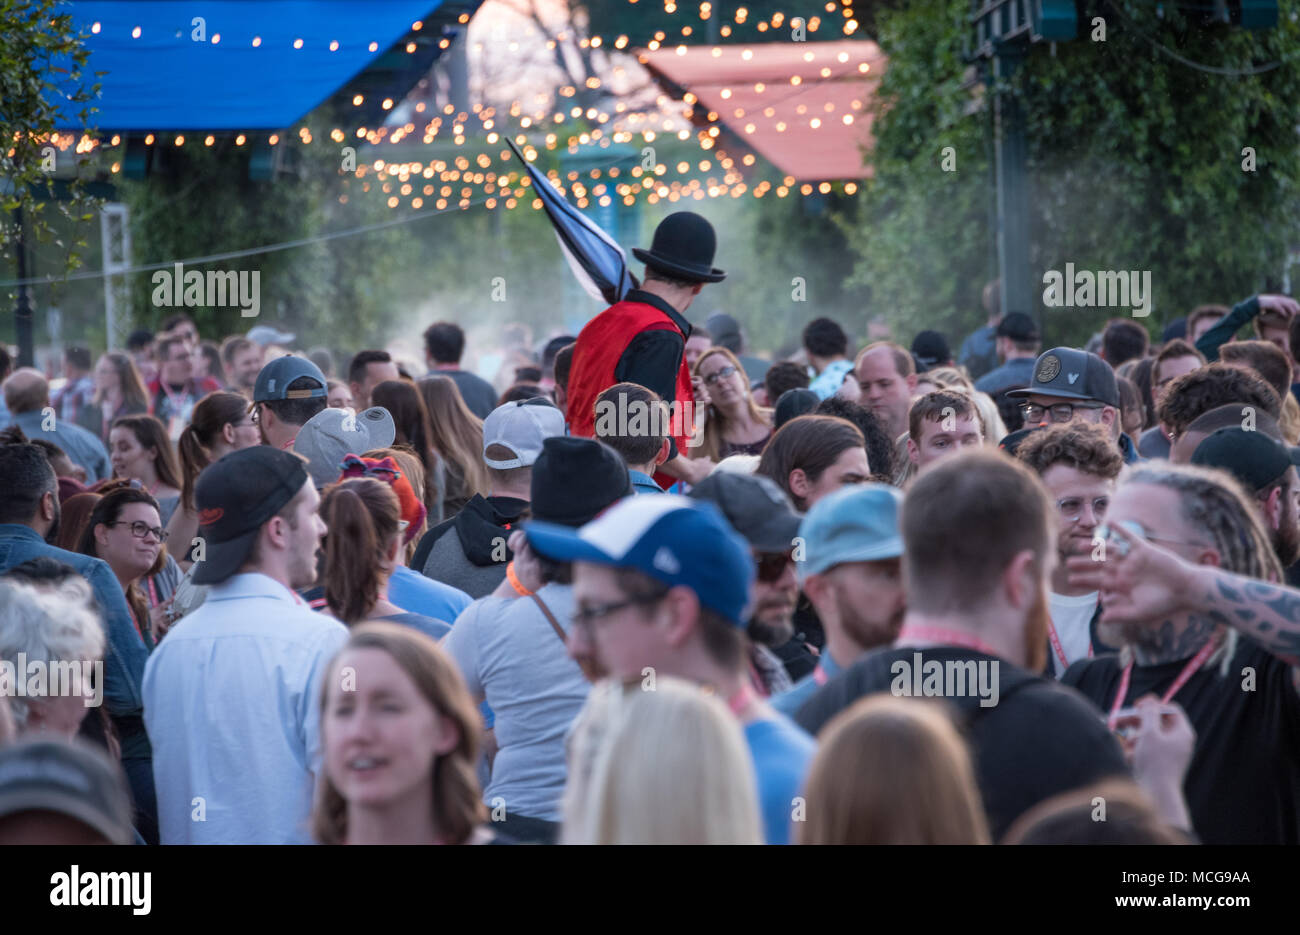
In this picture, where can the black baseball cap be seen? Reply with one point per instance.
(929, 349)
(235, 496)
(1252, 457)
(1018, 327)
(1070, 373)
(754, 506)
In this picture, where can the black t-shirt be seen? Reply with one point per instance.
(1037, 740)
(1243, 784)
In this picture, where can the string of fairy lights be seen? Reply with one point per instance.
(469, 179)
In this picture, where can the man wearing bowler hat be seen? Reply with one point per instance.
(642, 339)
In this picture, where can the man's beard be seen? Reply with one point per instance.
(1036, 626)
(1286, 540)
(772, 631)
(869, 633)
(53, 533)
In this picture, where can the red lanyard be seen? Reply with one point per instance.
(945, 636)
(289, 444)
(1192, 666)
(153, 592)
(1058, 649)
(176, 409)
(741, 700)
(819, 675)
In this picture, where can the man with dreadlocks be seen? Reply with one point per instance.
(1188, 587)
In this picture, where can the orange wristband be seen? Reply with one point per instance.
(514, 581)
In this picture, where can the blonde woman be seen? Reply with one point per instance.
(663, 763)
(458, 437)
(733, 423)
(892, 771)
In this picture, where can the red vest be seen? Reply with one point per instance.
(600, 345)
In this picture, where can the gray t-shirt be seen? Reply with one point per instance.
(509, 653)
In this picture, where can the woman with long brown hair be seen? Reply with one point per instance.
(411, 420)
(399, 743)
(363, 547)
(458, 437)
(892, 771)
(733, 423)
(119, 392)
(220, 424)
(140, 450)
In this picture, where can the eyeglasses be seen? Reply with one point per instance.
(140, 530)
(772, 565)
(1115, 542)
(1061, 412)
(719, 376)
(585, 616)
(1071, 508)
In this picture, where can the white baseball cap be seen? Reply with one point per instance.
(522, 426)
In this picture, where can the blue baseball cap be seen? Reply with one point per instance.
(273, 380)
(858, 523)
(672, 539)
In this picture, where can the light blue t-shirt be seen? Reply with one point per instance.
(782, 752)
(827, 383)
(789, 701)
(415, 593)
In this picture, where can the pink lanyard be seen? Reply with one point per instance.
(1058, 649)
(741, 700)
(177, 409)
(945, 636)
(819, 675)
(1192, 666)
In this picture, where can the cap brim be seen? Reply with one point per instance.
(563, 544)
(668, 266)
(31, 799)
(222, 559)
(1057, 394)
(887, 548)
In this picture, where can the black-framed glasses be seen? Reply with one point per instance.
(1061, 412)
(770, 566)
(141, 530)
(1071, 508)
(585, 616)
(720, 375)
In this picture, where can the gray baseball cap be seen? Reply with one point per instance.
(266, 335)
(522, 426)
(1070, 373)
(333, 433)
(70, 778)
(755, 506)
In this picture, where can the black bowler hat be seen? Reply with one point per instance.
(574, 479)
(235, 496)
(683, 247)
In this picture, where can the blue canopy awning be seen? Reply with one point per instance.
(262, 64)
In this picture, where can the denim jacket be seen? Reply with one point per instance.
(125, 656)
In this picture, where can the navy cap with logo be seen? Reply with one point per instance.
(273, 380)
(235, 496)
(1069, 373)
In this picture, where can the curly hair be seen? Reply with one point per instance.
(1080, 445)
(1210, 387)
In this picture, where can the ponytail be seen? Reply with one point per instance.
(194, 458)
(362, 516)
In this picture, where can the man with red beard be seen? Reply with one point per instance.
(978, 542)
(1077, 463)
(851, 571)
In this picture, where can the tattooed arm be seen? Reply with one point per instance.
(1151, 583)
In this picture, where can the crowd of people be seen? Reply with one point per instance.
(641, 585)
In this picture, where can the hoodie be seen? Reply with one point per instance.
(469, 550)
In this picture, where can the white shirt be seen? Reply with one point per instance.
(1070, 617)
(232, 707)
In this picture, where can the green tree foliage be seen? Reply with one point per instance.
(1136, 163)
(43, 86)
